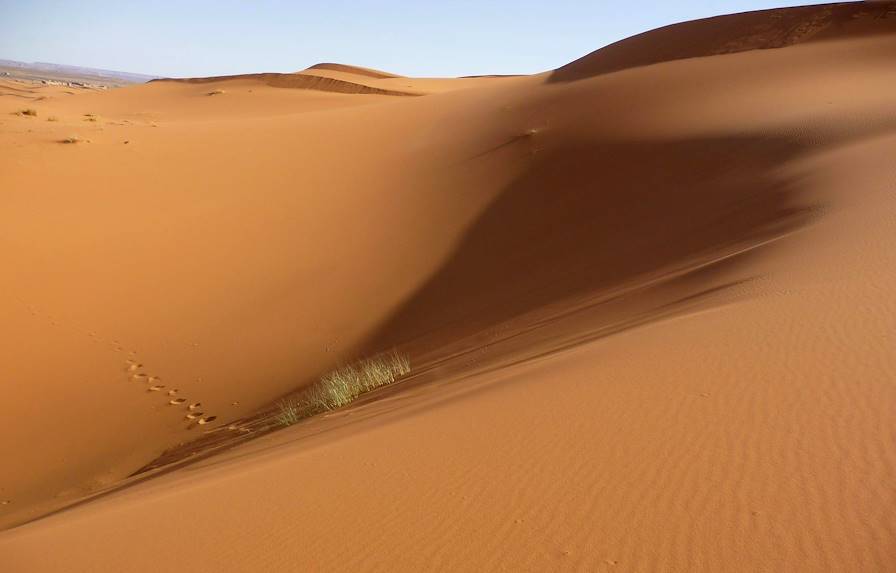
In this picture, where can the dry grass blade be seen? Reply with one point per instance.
(343, 385)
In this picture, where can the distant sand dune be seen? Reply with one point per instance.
(300, 81)
(356, 70)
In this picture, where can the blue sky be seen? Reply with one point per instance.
(422, 38)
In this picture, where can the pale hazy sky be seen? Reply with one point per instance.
(214, 37)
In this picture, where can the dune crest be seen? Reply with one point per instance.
(761, 30)
(355, 70)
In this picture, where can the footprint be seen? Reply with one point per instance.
(132, 368)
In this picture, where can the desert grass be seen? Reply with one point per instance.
(342, 386)
(29, 112)
(290, 412)
(72, 139)
(216, 92)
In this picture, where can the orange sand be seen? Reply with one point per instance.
(648, 300)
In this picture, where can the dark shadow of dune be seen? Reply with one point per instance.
(765, 29)
(590, 218)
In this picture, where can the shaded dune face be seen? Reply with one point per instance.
(760, 30)
(595, 216)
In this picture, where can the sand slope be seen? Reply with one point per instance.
(647, 298)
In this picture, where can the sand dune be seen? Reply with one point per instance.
(345, 79)
(647, 299)
(758, 30)
(300, 81)
(353, 70)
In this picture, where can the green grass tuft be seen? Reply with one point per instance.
(289, 413)
(343, 385)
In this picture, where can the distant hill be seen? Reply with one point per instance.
(63, 69)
